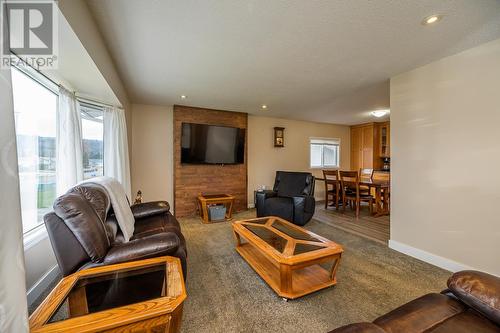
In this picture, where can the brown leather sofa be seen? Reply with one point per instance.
(470, 304)
(84, 232)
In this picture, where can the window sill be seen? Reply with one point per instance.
(35, 236)
(325, 168)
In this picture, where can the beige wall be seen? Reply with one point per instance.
(152, 147)
(264, 159)
(445, 166)
(152, 151)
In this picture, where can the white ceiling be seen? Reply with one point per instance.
(326, 61)
(76, 70)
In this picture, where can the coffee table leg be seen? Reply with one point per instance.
(335, 266)
(238, 238)
(286, 279)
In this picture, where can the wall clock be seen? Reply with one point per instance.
(279, 137)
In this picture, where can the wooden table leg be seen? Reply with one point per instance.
(382, 207)
(77, 301)
(377, 201)
(386, 202)
(335, 266)
(176, 319)
(286, 279)
(238, 238)
(230, 212)
(205, 213)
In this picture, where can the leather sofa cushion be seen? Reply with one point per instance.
(159, 244)
(292, 184)
(279, 206)
(84, 222)
(480, 291)
(148, 209)
(421, 314)
(466, 322)
(68, 251)
(96, 196)
(111, 225)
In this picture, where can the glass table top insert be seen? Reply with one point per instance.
(114, 289)
(276, 241)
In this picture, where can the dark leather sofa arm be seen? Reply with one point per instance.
(148, 209)
(480, 291)
(359, 328)
(303, 209)
(160, 244)
(261, 197)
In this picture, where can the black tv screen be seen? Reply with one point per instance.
(208, 144)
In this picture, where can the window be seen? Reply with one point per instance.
(35, 111)
(325, 153)
(35, 116)
(92, 137)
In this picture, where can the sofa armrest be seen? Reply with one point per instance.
(359, 328)
(260, 198)
(303, 209)
(305, 203)
(148, 209)
(480, 291)
(160, 244)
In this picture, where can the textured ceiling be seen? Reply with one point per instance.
(326, 61)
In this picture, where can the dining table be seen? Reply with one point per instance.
(382, 188)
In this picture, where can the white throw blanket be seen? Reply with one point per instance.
(119, 202)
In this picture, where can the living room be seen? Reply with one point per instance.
(250, 166)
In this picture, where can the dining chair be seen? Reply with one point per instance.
(349, 181)
(366, 173)
(332, 187)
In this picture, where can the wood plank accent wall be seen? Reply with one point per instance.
(190, 180)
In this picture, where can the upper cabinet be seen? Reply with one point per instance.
(370, 143)
(385, 139)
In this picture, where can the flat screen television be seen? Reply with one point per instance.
(208, 144)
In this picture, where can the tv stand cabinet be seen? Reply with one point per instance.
(205, 200)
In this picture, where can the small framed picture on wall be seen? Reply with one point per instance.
(279, 137)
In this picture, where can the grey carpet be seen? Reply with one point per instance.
(226, 295)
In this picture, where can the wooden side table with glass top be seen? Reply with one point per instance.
(138, 296)
(205, 200)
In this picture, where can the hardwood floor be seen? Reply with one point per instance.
(374, 228)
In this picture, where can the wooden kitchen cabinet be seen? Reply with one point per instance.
(368, 146)
(385, 139)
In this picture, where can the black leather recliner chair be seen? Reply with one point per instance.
(292, 197)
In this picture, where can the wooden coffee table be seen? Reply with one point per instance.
(138, 296)
(287, 256)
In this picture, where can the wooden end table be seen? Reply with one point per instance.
(287, 256)
(138, 296)
(205, 200)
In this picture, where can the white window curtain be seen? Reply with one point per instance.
(116, 160)
(13, 302)
(69, 165)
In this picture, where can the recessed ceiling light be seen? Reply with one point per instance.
(380, 113)
(432, 19)
(183, 96)
(264, 106)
